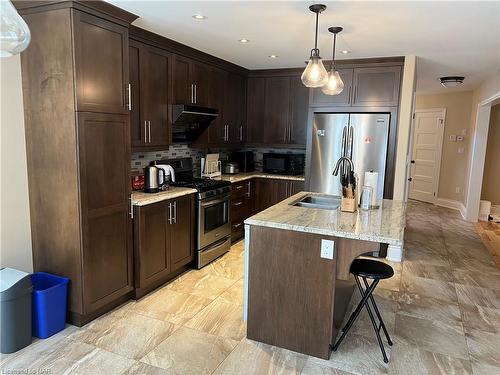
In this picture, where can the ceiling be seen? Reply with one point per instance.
(449, 38)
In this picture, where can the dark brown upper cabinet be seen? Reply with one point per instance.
(236, 106)
(342, 99)
(256, 99)
(190, 82)
(277, 108)
(216, 90)
(377, 86)
(150, 84)
(101, 65)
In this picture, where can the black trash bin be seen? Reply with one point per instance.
(15, 310)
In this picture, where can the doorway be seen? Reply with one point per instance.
(426, 154)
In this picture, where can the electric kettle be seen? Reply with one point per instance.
(152, 176)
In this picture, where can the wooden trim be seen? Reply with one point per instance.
(147, 37)
(95, 7)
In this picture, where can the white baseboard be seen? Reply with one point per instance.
(453, 204)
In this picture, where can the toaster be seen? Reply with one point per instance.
(230, 168)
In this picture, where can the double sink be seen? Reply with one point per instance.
(322, 201)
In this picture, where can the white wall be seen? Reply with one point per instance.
(404, 127)
(15, 234)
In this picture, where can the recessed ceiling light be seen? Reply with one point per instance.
(199, 17)
(244, 40)
(273, 56)
(345, 51)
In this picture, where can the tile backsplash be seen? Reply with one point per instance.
(140, 159)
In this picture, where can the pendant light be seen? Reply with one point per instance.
(334, 86)
(315, 74)
(14, 33)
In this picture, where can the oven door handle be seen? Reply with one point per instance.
(214, 202)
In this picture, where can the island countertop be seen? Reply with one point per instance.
(384, 225)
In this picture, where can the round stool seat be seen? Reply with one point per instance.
(371, 269)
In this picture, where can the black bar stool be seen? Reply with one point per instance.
(368, 269)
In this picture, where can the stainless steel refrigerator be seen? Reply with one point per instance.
(361, 136)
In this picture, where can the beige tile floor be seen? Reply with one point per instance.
(442, 309)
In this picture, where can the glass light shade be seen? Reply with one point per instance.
(14, 33)
(315, 74)
(335, 85)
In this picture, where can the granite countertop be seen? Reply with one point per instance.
(140, 198)
(246, 176)
(385, 224)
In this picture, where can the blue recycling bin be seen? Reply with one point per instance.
(50, 295)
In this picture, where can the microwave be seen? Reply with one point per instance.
(291, 164)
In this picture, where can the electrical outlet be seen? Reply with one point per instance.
(460, 138)
(457, 190)
(327, 249)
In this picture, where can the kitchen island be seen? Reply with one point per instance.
(297, 259)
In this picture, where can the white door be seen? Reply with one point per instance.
(426, 160)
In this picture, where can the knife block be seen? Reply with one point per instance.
(350, 204)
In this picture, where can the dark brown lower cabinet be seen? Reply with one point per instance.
(163, 241)
(269, 191)
(255, 195)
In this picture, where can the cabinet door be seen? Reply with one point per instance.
(282, 190)
(101, 64)
(377, 86)
(200, 77)
(181, 79)
(265, 194)
(151, 247)
(297, 187)
(299, 109)
(342, 99)
(277, 107)
(104, 167)
(237, 127)
(256, 99)
(155, 65)
(181, 231)
(216, 84)
(137, 127)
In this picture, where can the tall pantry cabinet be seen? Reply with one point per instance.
(76, 101)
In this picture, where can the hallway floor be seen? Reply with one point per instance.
(442, 309)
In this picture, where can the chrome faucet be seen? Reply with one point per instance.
(341, 161)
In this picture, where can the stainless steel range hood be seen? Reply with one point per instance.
(190, 121)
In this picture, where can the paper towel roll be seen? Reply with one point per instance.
(371, 179)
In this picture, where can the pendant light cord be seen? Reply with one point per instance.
(333, 58)
(316, 35)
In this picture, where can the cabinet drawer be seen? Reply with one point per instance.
(237, 229)
(241, 189)
(239, 208)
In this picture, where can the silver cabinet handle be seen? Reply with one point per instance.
(241, 133)
(129, 97)
(239, 187)
(248, 188)
(131, 207)
(149, 130)
(175, 213)
(145, 131)
(237, 225)
(192, 93)
(170, 213)
(237, 203)
(195, 93)
(227, 133)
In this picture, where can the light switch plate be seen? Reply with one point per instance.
(327, 249)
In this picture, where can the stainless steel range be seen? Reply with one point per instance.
(212, 211)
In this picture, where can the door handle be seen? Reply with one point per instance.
(175, 213)
(170, 213)
(149, 130)
(129, 97)
(131, 207)
(237, 203)
(195, 93)
(241, 133)
(192, 93)
(410, 179)
(145, 131)
(413, 162)
(248, 190)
